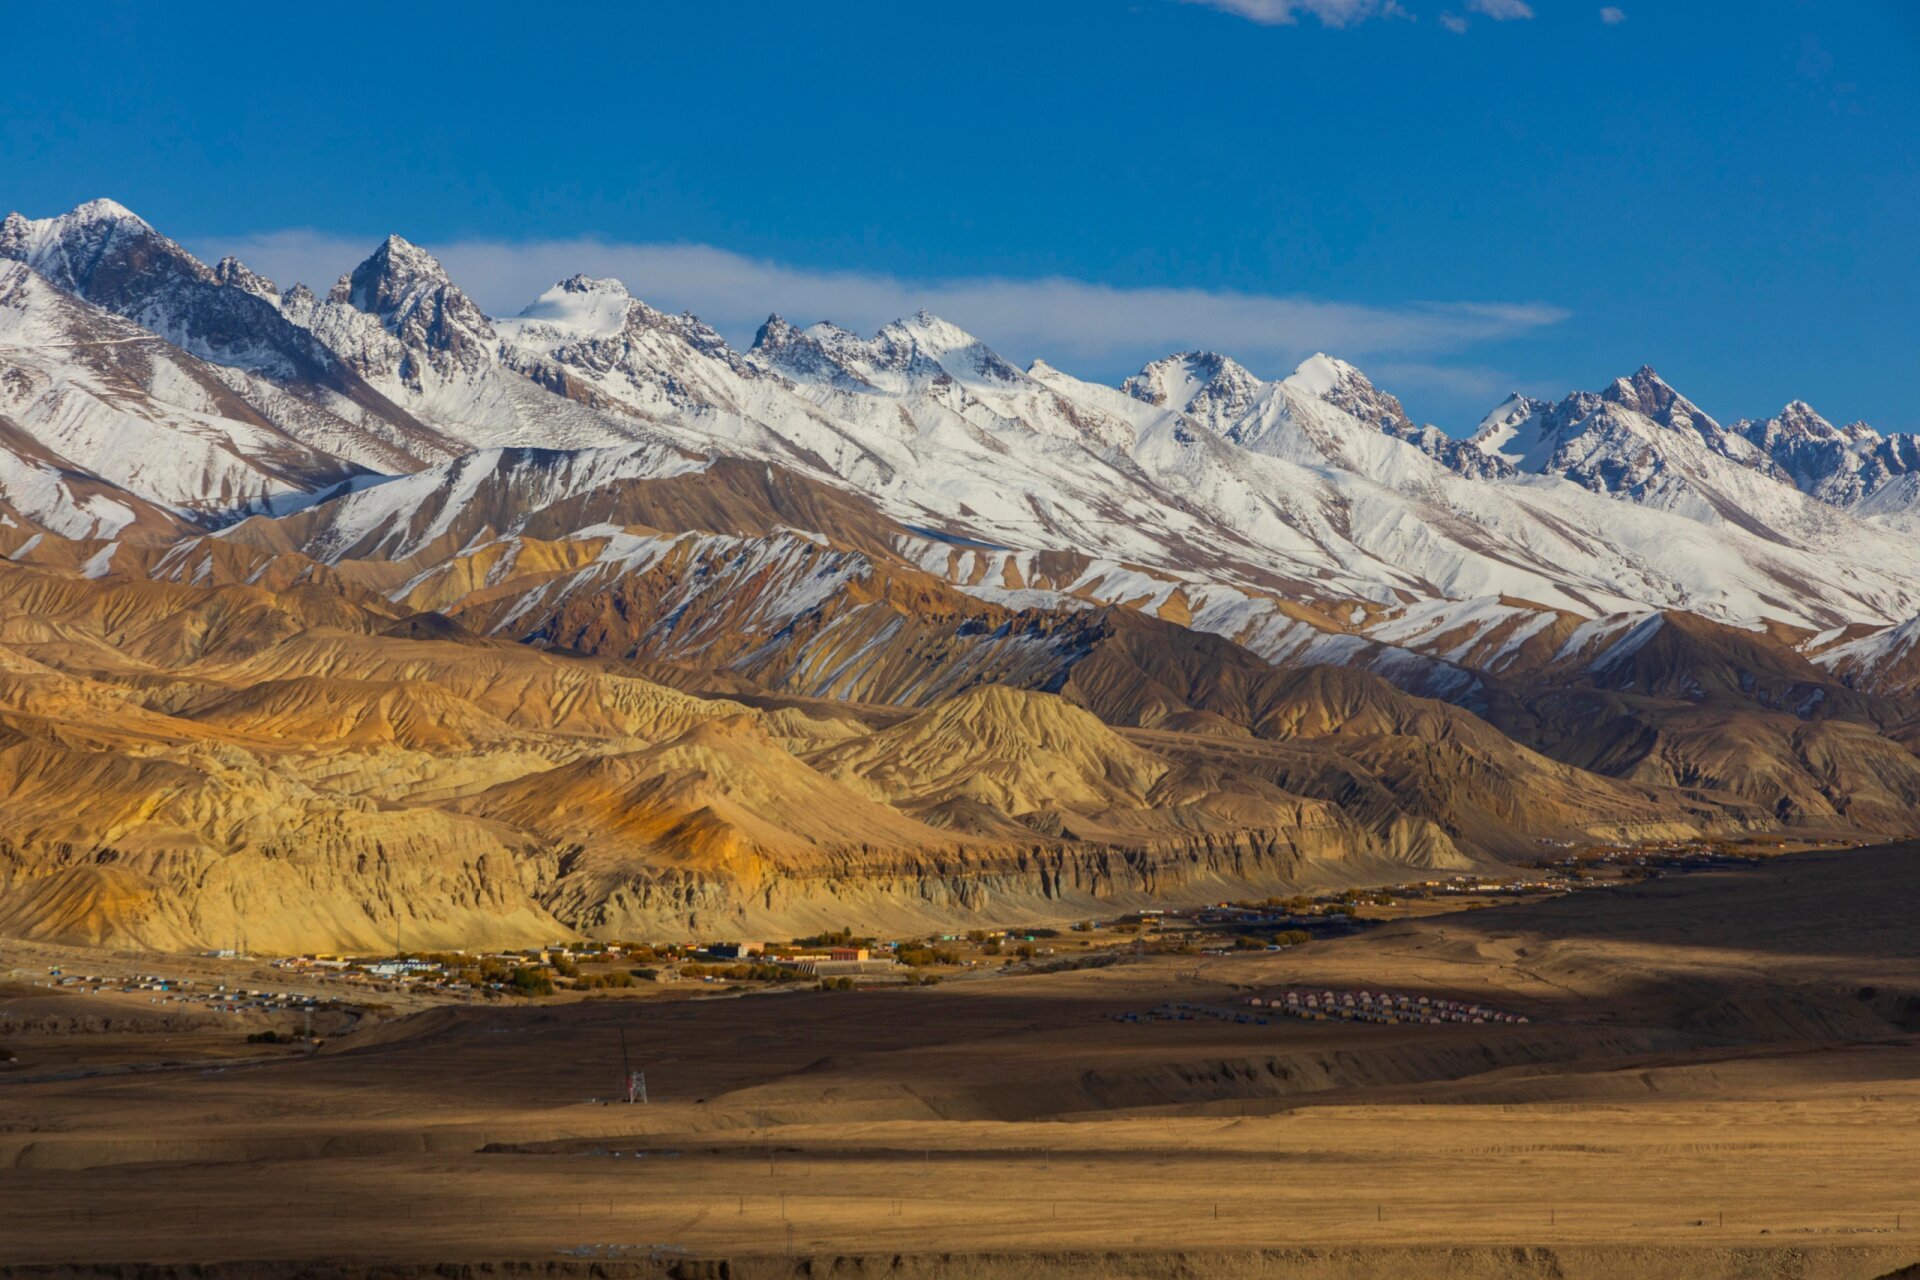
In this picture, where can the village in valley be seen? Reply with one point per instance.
(302, 1001)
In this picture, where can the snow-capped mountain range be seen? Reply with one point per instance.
(145, 396)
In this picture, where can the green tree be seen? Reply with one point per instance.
(530, 982)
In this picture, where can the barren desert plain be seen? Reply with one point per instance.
(1718, 1076)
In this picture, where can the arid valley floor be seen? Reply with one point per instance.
(1719, 1078)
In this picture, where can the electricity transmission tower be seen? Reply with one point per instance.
(636, 1081)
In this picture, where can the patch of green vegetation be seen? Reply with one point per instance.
(743, 972)
(834, 938)
(603, 981)
(529, 982)
(918, 955)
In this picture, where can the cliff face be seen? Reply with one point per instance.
(962, 886)
(427, 896)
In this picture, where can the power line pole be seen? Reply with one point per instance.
(635, 1081)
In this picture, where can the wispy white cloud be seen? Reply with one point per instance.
(1350, 13)
(1285, 13)
(1067, 321)
(1613, 15)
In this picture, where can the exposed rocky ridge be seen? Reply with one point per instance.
(111, 431)
(241, 744)
(103, 253)
(880, 636)
(1602, 441)
(1838, 465)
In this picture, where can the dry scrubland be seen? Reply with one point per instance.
(1721, 1079)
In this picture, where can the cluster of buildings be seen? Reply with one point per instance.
(164, 990)
(822, 962)
(765, 951)
(361, 972)
(1379, 1007)
(1229, 915)
(449, 972)
(1382, 1007)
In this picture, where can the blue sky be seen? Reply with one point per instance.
(1461, 197)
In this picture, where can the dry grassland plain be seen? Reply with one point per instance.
(1720, 1077)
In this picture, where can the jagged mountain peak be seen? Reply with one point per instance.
(914, 350)
(101, 242)
(1645, 392)
(111, 258)
(406, 289)
(91, 214)
(582, 306)
(1514, 403)
(231, 271)
(105, 209)
(778, 334)
(827, 330)
(1505, 431)
(1324, 409)
(1639, 439)
(928, 327)
(1320, 373)
(391, 277)
(775, 330)
(928, 331)
(1345, 387)
(1195, 381)
(1800, 421)
(1838, 465)
(1797, 420)
(955, 350)
(817, 353)
(580, 282)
